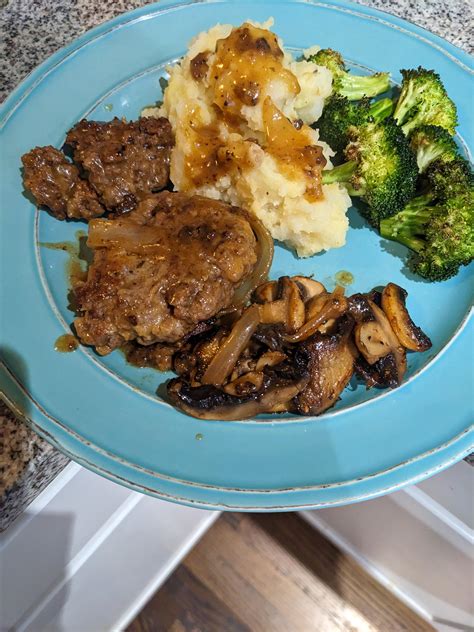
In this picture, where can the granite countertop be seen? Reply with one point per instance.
(31, 30)
(34, 29)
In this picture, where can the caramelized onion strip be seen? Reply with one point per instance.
(225, 359)
(125, 234)
(264, 260)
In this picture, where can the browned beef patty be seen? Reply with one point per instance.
(159, 271)
(123, 161)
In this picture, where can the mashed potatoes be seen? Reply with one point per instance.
(240, 108)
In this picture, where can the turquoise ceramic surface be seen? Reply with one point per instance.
(105, 414)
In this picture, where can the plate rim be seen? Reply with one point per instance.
(219, 506)
(154, 474)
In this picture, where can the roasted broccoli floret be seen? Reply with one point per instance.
(409, 225)
(423, 100)
(340, 114)
(430, 143)
(353, 87)
(381, 168)
(438, 225)
(447, 178)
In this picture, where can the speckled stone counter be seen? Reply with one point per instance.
(27, 465)
(34, 29)
(30, 31)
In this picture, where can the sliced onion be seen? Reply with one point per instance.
(223, 362)
(262, 267)
(315, 305)
(335, 305)
(125, 234)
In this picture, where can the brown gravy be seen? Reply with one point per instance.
(66, 343)
(344, 278)
(245, 63)
(290, 146)
(75, 263)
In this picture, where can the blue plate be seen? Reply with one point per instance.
(104, 413)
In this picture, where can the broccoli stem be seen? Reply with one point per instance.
(342, 173)
(355, 87)
(408, 226)
(404, 104)
(428, 154)
(410, 125)
(382, 109)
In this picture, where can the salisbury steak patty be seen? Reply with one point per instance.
(123, 161)
(157, 272)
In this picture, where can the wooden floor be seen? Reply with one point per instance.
(271, 573)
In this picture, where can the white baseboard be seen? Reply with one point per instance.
(414, 544)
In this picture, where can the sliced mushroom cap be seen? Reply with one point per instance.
(371, 341)
(270, 358)
(214, 404)
(245, 364)
(334, 306)
(270, 336)
(278, 386)
(393, 304)
(395, 347)
(308, 287)
(331, 367)
(294, 348)
(245, 384)
(381, 374)
(359, 308)
(287, 308)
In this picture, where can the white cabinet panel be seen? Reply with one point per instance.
(88, 553)
(112, 585)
